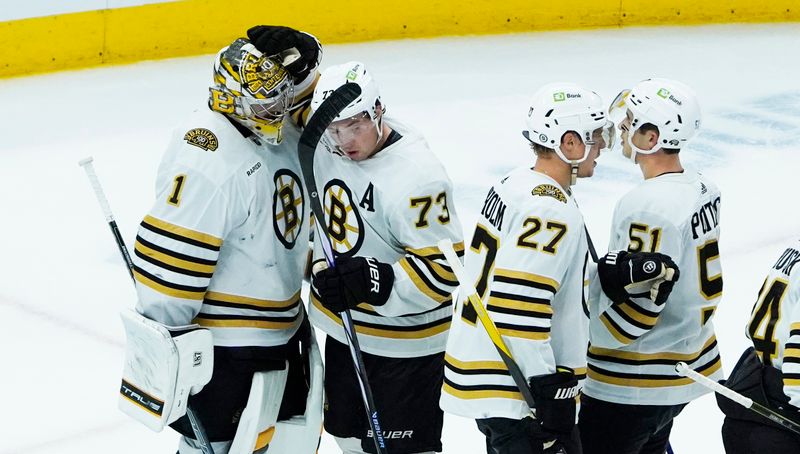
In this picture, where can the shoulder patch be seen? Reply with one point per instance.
(548, 190)
(202, 138)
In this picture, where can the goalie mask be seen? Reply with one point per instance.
(669, 105)
(559, 108)
(252, 88)
(360, 120)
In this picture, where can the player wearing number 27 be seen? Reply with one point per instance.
(632, 392)
(529, 257)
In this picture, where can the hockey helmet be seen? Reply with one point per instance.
(252, 88)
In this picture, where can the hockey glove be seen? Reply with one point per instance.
(625, 275)
(554, 396)
(300, 52)
(352, 281)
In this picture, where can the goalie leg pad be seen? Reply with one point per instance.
(162, 371)
(300, 434)
(257, 423)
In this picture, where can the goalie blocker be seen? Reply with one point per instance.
(165, 365)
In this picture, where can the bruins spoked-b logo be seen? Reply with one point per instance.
(343, 222)
(287, 207)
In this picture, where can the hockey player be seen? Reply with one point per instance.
(769, 372)
(219, 262)
(632, 392)
(387, 201)
(529, 253)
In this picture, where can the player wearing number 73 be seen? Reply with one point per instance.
(387, 202)
(632, 392)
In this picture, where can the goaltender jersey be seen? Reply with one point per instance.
(529, 257)
(635, 345)
(226, 243)
(395, 207)
(774, 325)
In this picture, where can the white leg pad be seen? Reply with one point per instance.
(261, 412)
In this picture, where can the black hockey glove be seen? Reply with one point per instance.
(352, 281)
(277, 40)
(625, 275)
(554, 396)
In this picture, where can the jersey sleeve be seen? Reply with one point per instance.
(178, 243)
(636, 231)
(531, 268)
(791, 353)
(423, 280)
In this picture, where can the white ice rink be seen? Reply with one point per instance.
(62, 282)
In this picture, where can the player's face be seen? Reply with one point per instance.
(356, 137)
(586, 168)
(625, 128)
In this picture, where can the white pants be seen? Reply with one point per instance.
(353, 446)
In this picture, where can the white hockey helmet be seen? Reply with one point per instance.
(669, 105)
(558, 108)
(252, 88)
(354, 72)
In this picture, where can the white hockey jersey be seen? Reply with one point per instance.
(529, 256)
(635, 345)
(225, 244)
(394, 206)
(774, 325)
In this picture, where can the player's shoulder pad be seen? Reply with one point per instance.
(415, 157)
(209, 144)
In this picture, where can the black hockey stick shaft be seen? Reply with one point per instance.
(194, 421)
(312, 134)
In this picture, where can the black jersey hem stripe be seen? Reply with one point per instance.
(176, 255)
(791, 359)
(654, 361)
(794, 332)
(172, 268)
(664, 377)
(525, 283)
(519, 312)
(638, 308)
(791, 345)
(217, 303)
(168, 284)
(204, 316)
(460, 387)
(529, 329)
(791, 376)
(180, 238)
(460, 371)
(517, 297)
(439, 278)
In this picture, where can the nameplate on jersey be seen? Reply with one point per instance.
(549, 190)
(706, 218)
(202, 138)
(787, 261)
(493, 209)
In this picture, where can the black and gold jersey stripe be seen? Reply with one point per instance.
(596, 354)
(524, 279)
(182, 234)
(488, 391)
(388, 329)
(168, 288)
(173, 261)
(245, 321)
(650, 380)
(520, 305)
(242, 302)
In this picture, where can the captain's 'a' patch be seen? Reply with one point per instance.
(202, 138)
(548, 190)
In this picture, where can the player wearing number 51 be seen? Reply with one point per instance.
(387, 202)
(638, 332)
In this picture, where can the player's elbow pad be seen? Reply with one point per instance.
(162, 371)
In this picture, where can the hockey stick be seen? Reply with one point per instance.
(312, 134)
(86, 163)
(683, 370)
(446, 246)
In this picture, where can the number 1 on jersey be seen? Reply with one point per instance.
(177, 188)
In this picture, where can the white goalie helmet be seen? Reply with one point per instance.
(254, 89)
(558, 108)
(669, 105)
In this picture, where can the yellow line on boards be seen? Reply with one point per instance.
(195, 27)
